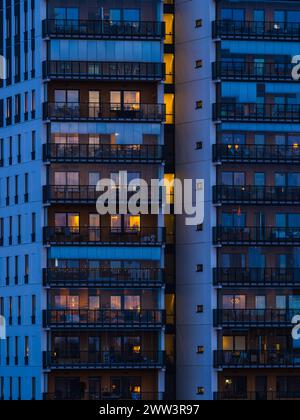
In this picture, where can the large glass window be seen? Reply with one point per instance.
(66, 178)
(234, 302)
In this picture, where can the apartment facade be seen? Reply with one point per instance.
(88, 299)
(237, 127)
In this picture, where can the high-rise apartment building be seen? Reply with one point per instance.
(89, 300)
(89, 93)
(237, 126)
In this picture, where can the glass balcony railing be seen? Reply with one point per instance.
(146, 236)
(250, 194)
(256, 359)
(60, 111)
(104, 277)
(104, 359)
(256, 112)
(97, 70)
(103, 153)
(104, 318)
(252, 153)
(245, 29)
(257, 277)
(103, 29)
(254, 317)
(256, 235)
(252, 71)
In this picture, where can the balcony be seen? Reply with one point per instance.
(104, 277)
(256, 236)
(104, 360)
(256, 396)
(105, 29)
(252, 71)
(106, 112)
(253, 195)
(230, 29)
(257, 277)
(256, 112)
(106, 396)
(103, 153)
(146, 236)
(104, 319)
(245, 318)
(86, 194)
(91, 70)
(251, 153)
(256, 359)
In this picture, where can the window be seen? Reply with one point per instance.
(94, 178)
(33, 145)
(233, 178)
(33, 309)
(125, 100)
(26, 188)
(33, 227)
(234, 343)
(33, 388)
(66, 178)
(260, 302)
(234, 302)
(26, 269)
(233, 14)
(8, 111)
(66, 302)
(125, 223)
(71, 220)
(66, 97)
(33, 103)
(17, 108)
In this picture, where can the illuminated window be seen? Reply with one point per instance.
(132, 223)
(169, 188)
(132, 303)
(127, 100)
(169, 62)
(169, 22)
(115, 302)
(169, 102)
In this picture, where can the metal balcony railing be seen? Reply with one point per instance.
(103, 153)
(145, 236)
(257, 277)
(256, 112)
(106, 396)
(256, 396)
(104, 277)
(253, 195)
(86, 194)
(61, 111)
(252, 71)
(104, 318)
(104, 359)
(251, 153)
(103, 29)
(256, 359)
(254, 317)
(244, 29)
(98, 70)
(256, 235)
